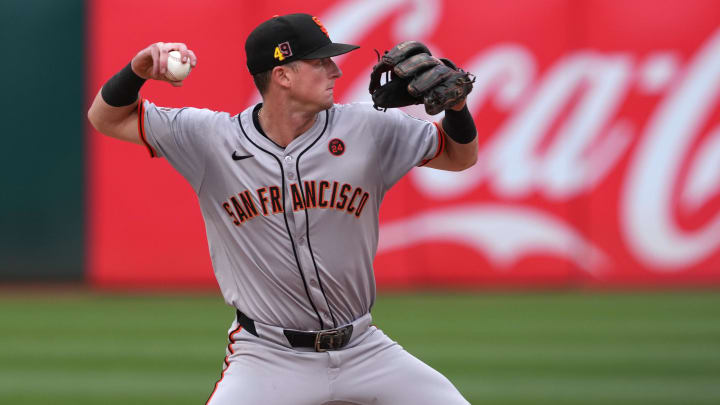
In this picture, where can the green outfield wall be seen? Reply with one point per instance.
(42, 165)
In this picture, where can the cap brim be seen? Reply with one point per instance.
(331, 49)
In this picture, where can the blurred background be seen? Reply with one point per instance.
(577, 263)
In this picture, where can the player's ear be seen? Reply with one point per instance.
(282, 75)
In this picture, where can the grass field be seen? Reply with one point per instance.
(540, 348)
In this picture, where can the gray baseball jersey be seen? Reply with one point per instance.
(292, 231)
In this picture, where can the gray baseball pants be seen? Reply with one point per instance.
(371, 369)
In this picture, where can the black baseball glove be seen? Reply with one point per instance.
(417, 77)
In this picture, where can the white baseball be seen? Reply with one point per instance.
(176, 70)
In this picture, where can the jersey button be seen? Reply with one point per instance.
(301, 241)
(288, 159)
(313, 283)
(291, 175)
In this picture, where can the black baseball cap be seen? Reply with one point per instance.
(287, 38)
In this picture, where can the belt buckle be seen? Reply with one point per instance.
(332, 339)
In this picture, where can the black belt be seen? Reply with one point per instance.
(321, 341)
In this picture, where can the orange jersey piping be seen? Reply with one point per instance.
(441, 143)
(141, 128)
(227, 363)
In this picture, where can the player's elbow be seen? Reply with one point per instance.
(107, 122)
(96, 119)
(101, 126)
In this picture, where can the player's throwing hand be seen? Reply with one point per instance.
(152, 62)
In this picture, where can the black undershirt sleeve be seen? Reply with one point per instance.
(459, 125)
(122, 89)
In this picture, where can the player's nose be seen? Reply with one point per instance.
(334, 70)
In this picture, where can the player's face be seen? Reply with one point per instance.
(316, 83)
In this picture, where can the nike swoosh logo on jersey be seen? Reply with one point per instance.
(235, 156)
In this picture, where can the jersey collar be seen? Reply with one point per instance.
(248, 120)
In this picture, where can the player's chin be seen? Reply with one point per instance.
(328, 103)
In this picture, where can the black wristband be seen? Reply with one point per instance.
(122, 89)
(459, 125)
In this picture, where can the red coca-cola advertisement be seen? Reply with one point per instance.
(599, 125)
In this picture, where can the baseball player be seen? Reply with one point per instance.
(290, 191)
